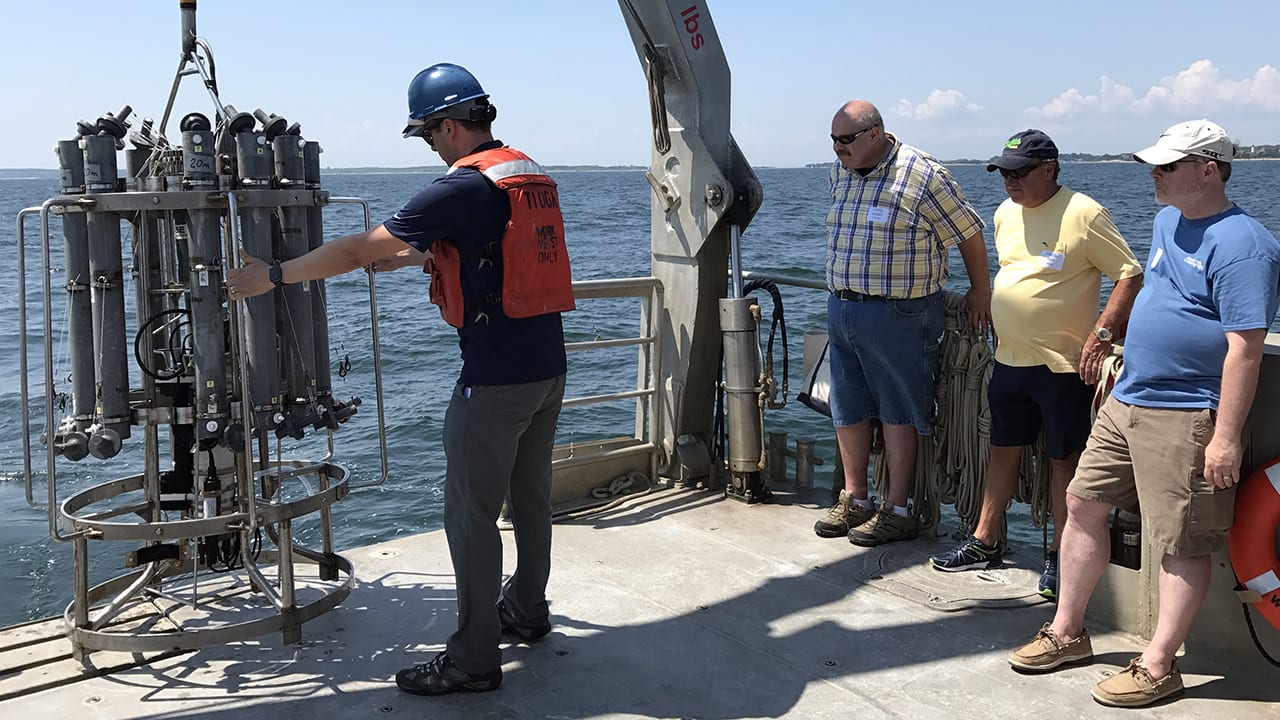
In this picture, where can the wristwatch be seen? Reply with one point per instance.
(1103, 334)
(276, 273)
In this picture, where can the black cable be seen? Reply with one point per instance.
(779, 323)
(1253, 633)
(146, 328)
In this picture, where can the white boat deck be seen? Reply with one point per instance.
(677, 605)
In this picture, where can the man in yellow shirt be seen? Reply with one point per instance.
(1054, 245)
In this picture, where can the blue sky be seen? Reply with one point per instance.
(953, 78)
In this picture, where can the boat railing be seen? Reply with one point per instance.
(791, 280)
(573, 464)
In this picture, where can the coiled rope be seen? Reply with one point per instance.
(951, 463)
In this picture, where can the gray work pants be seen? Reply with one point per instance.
(497, 443)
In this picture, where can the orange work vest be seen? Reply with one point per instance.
(535, 263)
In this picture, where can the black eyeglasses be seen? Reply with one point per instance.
(1173, 166)
(430, 128)
(848, 139)
(1021, 172)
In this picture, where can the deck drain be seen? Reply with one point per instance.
(564, 653)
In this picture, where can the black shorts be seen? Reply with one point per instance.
(1023, 399)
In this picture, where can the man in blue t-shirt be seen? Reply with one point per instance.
(500, 426)
(1191, 361)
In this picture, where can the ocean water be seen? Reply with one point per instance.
(607, 216)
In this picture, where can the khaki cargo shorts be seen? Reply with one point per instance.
(1151, 461)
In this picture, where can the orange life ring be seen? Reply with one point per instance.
(1251, 542)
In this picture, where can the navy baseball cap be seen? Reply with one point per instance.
(1023, 148)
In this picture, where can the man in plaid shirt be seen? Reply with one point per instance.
(895, 212)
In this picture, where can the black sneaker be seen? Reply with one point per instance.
(441, 677)
(527, 634)
(973, 553)
(1048, 587)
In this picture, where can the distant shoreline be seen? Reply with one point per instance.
(43, 173)
(1065, 161)
(52, 173)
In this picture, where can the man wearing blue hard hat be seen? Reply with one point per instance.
(490, 234)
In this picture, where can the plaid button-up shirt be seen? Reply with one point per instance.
(888, 232)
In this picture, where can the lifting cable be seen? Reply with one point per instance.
(656, 74)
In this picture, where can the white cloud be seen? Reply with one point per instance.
(1201, 88)
(939, 104)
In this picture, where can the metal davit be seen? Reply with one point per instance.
(208, 532)
(704, 195)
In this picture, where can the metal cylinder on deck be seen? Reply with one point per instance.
(806, 459)
(106, 275)
(208, 318)
(75, 232)
(298, 350)
(262, 341)
(319, 306)
(740, 328)
(777, 455)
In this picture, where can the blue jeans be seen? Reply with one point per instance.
(883, 356)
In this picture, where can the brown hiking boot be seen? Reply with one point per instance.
(1046, 651)
(842, 516)
(1134, 686)
(885, 526)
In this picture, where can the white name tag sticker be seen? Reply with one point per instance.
(878, 214)
(1050, 260)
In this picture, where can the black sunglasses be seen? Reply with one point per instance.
(1021, 172)
(430, 128)
(848, 139)
(1173, 166)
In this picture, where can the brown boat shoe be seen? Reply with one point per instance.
(1135, 687)
(1046, 651)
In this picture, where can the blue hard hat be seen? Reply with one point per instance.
(434, 91)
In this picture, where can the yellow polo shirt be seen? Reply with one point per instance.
(1046, 298)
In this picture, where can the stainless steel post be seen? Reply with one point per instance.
(777, 455)
(735, 262)
(806, 460)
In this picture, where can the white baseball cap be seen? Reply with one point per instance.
(1200, 138)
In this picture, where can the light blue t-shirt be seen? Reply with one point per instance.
(1204, 278)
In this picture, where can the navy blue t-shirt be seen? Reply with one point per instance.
(467, 211)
